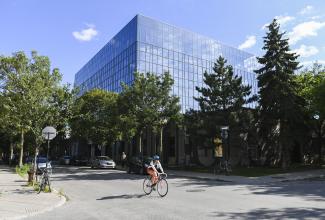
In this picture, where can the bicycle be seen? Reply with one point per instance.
(44, 181)
(223, 166)
(162, 185)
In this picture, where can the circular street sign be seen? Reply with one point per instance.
(49, 133)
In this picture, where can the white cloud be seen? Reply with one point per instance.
(86, 34)
(250, 41)
(306, 51)
(305, 29)
(306, 9)
(281, 19)
(315, 17)
(311, 62)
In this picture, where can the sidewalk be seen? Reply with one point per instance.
(250, 180)
(18, 201)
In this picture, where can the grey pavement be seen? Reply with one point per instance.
(114, 194)
(17, 200)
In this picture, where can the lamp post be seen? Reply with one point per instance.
(319, 135)
(225, 136)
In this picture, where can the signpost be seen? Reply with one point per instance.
(48, 134)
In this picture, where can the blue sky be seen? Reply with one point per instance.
(70, 32)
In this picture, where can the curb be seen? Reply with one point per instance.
(63, 200)
(202, 178)
(60, 203)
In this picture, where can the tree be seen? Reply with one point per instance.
(222, 98)
(95, 117)
(279, 104)
(168, 108)
(311, 83)
(147, 104)
(28, 86)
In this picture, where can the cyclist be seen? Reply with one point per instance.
(153, 169)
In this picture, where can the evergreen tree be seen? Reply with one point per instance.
(222, 100)
(279, 104)
(223, 94)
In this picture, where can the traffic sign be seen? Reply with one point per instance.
(49, 133)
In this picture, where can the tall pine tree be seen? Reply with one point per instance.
(222, 98)
(279, 104)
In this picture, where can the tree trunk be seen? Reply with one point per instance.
(11, 153)
(161, 143)
(320, 148)
(21, 149)
(140, 143)
(35, 163)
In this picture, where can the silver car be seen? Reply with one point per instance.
(41, 164)
(103, 162)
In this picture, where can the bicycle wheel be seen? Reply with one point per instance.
(162, 187)
(41, 186)
(49, 185)
(147, 185)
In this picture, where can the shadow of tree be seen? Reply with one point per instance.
(287, 213)
(124, 196)
(310, 190)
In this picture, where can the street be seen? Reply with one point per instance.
(114, 194)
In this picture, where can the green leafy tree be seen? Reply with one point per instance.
(28, 86)
(95, 117)
(279, 104)
(311, 83)
(148, 104)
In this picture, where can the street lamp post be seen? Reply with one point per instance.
(225, 136)
(319, 135)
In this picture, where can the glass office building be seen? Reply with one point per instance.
(148, 45)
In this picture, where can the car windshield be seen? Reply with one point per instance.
(103, 158)
(41, 160)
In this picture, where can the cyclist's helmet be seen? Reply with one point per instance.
(156, 157)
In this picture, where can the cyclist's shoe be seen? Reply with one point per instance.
(154, 186)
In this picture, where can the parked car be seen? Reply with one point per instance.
(41, 165)
(138, 164)
(103, 162)
(65, 160)
(80, 161)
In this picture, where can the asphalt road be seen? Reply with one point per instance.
(113, 194)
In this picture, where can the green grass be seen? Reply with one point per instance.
(36, 188)
(22, 171)
(254, 171)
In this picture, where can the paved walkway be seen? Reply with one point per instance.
(18, 201)
(251, 180)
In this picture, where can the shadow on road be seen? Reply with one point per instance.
(287, 213)
(124, 196)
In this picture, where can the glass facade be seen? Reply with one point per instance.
(147, 45)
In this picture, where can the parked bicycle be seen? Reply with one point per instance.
(44, 181)
(161, 186)
(223, 166)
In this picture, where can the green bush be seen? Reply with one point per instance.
(22, 171)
